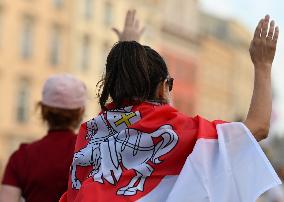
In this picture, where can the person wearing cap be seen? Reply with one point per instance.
(39, 171)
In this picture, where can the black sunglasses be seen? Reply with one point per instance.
(170, 82)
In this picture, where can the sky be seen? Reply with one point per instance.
(249, 12)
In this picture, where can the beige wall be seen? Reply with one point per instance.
(225, 74)
(182, 15)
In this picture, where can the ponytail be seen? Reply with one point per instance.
(133, 73)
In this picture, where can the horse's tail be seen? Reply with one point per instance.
(164, 146)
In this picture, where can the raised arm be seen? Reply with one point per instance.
(262, 51)
(132, 30)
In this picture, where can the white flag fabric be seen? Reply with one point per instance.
(230, 169)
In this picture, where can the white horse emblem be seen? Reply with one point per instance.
(113, 146)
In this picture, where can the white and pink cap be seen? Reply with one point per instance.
(64, 91)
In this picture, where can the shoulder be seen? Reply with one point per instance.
(21, 151)
(206, 129)
(18, 157)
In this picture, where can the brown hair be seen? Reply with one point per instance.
(58, 118)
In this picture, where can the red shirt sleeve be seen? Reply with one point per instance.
(13, 173)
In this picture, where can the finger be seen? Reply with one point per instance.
(276, 34)
(127, 18)
(264, 28)
(271, 30)
(132, 17)
(258, 29)
(116, 31)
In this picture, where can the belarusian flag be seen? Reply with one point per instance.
(153, 153)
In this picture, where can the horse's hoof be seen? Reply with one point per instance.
(76, 184)
(131, 191)
(127, 191)
(121, 191)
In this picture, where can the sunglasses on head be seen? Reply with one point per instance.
(170, 82)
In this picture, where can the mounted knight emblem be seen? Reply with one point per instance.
(114, 146)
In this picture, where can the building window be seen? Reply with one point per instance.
(58, 3)
(27, 37)
(88, 9)
(23, 101)
(55, 44)
(85, 52)
(108, 14)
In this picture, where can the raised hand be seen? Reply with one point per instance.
(262, 52)
(263, 45)
(132, 30)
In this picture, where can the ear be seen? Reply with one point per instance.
(160, 93)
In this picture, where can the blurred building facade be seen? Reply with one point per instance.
(225, 79)
(180, 47)
(40, 38)
(208, 57)
(34, 44)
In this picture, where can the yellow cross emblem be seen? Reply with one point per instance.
(125, 119)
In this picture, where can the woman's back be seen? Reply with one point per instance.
(131, 150)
